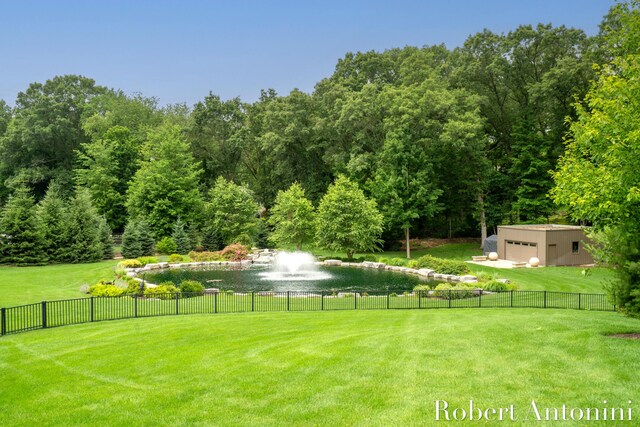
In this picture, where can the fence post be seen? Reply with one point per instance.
(215, 302)
(92, 310)
(512, 298)
(480, 299)
(545, 299)
(322, 300)
(449, 298)
(288, 304)
(44, 314)
(135, 307)
(387, 298)
(419, 300)
(253, 301)
(579, 298)
(355, 300)
(3, 321)
(177, 309)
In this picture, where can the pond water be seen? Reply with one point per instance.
(264, 279)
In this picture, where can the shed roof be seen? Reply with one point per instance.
(543, 227)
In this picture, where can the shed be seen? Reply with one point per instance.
(490, 244)
(552, 244)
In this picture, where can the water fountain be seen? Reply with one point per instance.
(294, 266)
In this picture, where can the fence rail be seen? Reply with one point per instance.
(48, 314)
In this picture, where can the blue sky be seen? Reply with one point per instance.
(178, 51)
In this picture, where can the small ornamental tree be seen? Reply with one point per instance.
(82, 242)
(181, 238)
(347, 221)
(20, 238)
(292, 218)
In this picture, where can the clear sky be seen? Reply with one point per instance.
(178, 51)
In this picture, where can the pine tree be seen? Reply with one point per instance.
(181, 238)
(82, 243)
(20, 238)
(211, 239)
(52, 212)
(131, 243)
(105, 238)
(147, 242)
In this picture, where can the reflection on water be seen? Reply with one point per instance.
(264, 279)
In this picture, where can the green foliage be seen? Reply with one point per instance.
(21, 240)
(174, 258)
(181, 238)
(423, 289)
(165, 187)
(231, 213)
(497, 286)
(598, 177)
(443, 265)
(235, 252)
(105, 289)
(398, 262)
(105, 238)
(166, 246)
(137, 239)
(162, 291)
(52, 220)
(448, 291)
(129, 263)
(135, 287)
(82, 241)
(205, 256)
(348, 221)
(212, 240)
(292, 218)
(148, 260)
(191, 286)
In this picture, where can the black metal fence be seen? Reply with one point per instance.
(48, 314)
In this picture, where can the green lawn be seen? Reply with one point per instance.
(321, 368)
(22, 285)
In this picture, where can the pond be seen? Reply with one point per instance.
(264, 279)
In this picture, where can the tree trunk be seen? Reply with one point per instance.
(406, 235)
(483, 220)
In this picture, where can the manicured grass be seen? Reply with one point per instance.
(321, 368)
(23, 285)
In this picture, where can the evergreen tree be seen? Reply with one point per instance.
(53, 225)
(82, 242)
(211, 239)
(105, 238)
(20, 238)
(147, 241)
(181, 238)
(131, 242)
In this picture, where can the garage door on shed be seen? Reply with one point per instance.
(520, 251)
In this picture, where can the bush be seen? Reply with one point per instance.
(383, 260)
(422, 288)
(413, 264)
(144, 260)
(497, 286)
(205, 256)
(191, 286)
(370, 257)
(235, 252)
(105, 289)
(173, 258)
(398, 262)
(443, 265)
(162, 291)
(135, 287)
(447, 291)
(166, 246)
(129, 263)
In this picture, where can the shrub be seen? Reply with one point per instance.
(205, 256)
(191, 286)
(105, 289)
(383, 260)
(398, 262)
(166, 246)
(135, 287)
(176, 258)
(393, 294)
(370, 257)
(162, 291)
(144, 260)
(413, 264)
(447, 291)
(424, 289)
(443, 265)
(235, 252)
(497, 286)
(129, 263)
